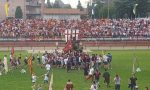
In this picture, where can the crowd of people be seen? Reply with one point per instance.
(46, 29)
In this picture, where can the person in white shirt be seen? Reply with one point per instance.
(11, 57)
(94, 86)
(117, 82)
(5, 64)
(34, 78)
(48, 67)
(105, 61)
(46, 78)
(65, 61)
(43, 60)
(91, 72)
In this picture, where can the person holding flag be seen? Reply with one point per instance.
(68, 47)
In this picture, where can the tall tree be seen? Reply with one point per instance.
(143, 8)
(125, 8)
(68, 6)
(18, 13)
(49, 4)
(79, 6)
(89, 8)
(56, 4)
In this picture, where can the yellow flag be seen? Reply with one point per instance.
(30, 64)
(6, 8)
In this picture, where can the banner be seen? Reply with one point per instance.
(7, 9)
(30, 64)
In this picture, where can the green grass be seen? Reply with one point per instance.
(14, 80)
(121, 64)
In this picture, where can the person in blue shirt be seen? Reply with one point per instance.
(109, 59)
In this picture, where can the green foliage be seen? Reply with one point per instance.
(89, 8)
(68, 6)
(101, 9)
(120, 8)
(56, 5)
(49, 4)
(121, 64)
(18, 13)
(143, 8)
(124, 8)
(17, 81)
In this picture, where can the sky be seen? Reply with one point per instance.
(74, 3)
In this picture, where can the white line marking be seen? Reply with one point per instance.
(51, 82)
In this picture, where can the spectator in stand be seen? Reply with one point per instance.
(35, 29)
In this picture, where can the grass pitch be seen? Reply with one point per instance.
(121, 64)
(14, 80)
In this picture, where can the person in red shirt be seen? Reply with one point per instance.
(97, 76)
(69, 85)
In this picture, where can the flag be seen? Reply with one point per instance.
(30, 64)
(134, 8)
(6, 8)
(68, 47)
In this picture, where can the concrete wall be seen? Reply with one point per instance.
(75, 17)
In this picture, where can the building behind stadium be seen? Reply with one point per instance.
(38, 9)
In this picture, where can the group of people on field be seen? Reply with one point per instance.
(92, 66)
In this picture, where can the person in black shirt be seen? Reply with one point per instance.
(132, 80)
(86, 68)
(68, 65)
(106, 77)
